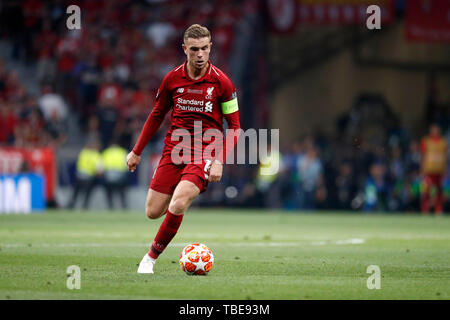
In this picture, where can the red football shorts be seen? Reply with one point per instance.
(433, 179)
(167, 175)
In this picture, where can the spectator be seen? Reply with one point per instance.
(43, 47)
(413, 156)
(115, 173)
(89, 168)
(89, 75)
(107, 112)
(56, 128)
(376, 189)
(52, 105)
(309, 171)
(345, 186)
(2, 79)
(8, 123)
(412, 190)
(267, 182)
(160, 33)
(29, 130)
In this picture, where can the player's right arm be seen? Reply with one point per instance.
(162, 106)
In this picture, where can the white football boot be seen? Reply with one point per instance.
(146, 265)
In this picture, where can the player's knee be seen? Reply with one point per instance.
(179, 205)
(153, 213)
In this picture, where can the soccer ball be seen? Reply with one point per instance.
(196, 259)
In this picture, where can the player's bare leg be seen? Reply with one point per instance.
(439, 200)
(155, 206)
(425, 200)
(184, 194)
(156, 203)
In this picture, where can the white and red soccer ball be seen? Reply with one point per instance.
(196, 259)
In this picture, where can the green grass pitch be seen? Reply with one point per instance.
(258, 255)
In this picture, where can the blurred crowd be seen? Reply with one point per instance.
(27, 120)
(105, 76)
(373, 163)
(107, 73)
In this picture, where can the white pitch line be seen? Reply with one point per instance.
(179, 244)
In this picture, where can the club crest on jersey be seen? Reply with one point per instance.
(209, 92)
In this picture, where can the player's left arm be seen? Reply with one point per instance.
(230, 110)
(233, 132)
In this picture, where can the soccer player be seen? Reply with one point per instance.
(434, 161)
(194, 91)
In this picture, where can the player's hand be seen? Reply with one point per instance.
(132, 161)
(215, 173)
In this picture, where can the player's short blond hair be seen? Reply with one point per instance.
(196, 31)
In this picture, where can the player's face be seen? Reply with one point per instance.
(435, 130)
(197, 51)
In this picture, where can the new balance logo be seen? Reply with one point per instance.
(180, 90)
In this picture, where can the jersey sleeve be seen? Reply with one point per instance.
(163, 104)
(228, 99)
(230, 109)
(232, 135)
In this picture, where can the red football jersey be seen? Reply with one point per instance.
(207, 99)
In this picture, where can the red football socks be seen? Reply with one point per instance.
(425, 203)
(439, 200)
(166, 232)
